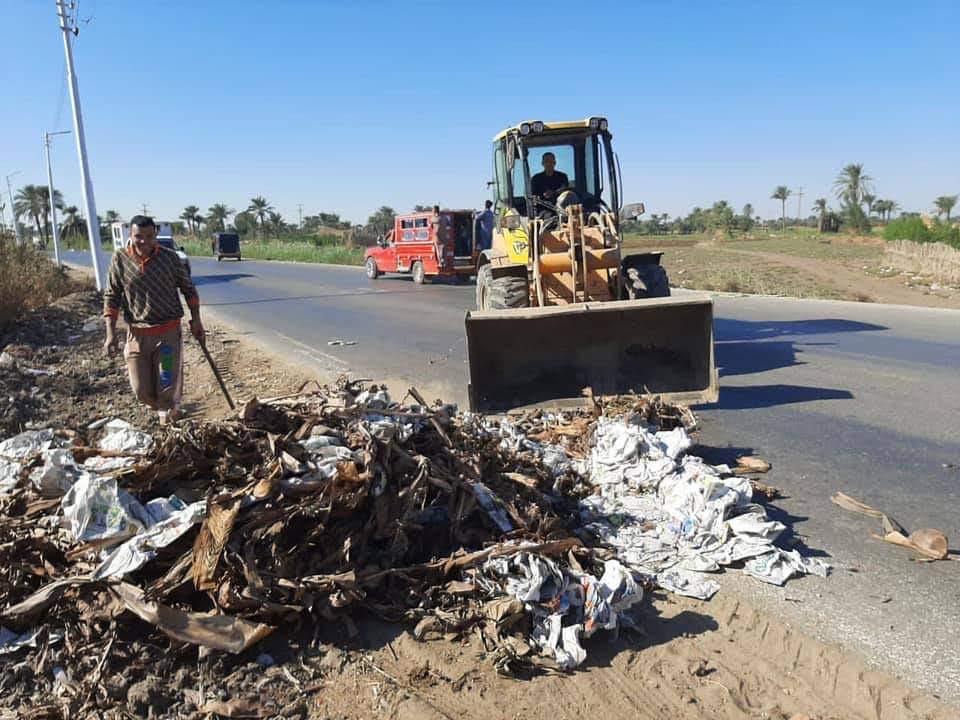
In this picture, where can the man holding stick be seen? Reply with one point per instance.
(144, 281)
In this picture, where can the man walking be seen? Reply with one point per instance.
(143, 282)
(485, 221)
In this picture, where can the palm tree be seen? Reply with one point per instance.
(781, 193)
(217, 215)
(748, 211)
(276, 222)
(853, 184)
(821, 205)
(891, 207)
(112, 216)
(259, 207)
(29, 203)
(189, 214)
(869, 200)
(72, 223)
(57, 203)
(944, 204)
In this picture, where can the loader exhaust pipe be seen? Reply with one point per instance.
(547, 356)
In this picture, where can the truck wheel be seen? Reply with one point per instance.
(501, 293)
(219, 258)
(419, 274)
(647, 280)
(373, 272)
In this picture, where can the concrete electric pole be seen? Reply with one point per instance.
(53, 205)
(799, 198)
(93, 222)
(300, 213)
(13, 212)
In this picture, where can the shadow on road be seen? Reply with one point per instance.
(745, 347)
(765, 396)
(726, 329)
(214, 279)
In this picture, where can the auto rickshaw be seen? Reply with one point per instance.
(226, 245)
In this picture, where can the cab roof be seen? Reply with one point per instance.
(548, 126)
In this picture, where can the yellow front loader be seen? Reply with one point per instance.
(561, 309)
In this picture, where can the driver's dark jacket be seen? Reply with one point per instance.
(542, 183)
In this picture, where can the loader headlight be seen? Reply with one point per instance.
(537, 127)
(603, 124)
(594, 123)
(524, 128)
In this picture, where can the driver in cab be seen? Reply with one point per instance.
(547, 185)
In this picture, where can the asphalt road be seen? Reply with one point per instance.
(838, 396)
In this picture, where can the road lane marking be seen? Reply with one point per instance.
(313, 352)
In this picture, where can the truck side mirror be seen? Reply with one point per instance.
(632, 211)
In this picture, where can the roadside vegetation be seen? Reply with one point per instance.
(285, 249)
(28, 280)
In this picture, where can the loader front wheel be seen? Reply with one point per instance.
(501, 293)
(647, 280)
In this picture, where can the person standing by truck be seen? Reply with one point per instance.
(485, 221)
(143, 282)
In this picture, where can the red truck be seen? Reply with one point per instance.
(441, 243)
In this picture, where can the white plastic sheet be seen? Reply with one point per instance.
(9, 474)
(566, 606)
(142, 548)
(95, 509)
(30, 442)
(11, 641)
(122, 437)
(58, 473)
(676, 517)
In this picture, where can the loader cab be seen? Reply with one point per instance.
(583, 152)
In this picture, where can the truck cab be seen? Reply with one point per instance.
(441, 243)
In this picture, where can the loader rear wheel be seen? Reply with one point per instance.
(647, 280)
(501, 293)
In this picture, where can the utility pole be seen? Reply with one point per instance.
(799, 198)
(300, 212)
(13, 212)
(145, 210)
(53, 206)
(93, 222)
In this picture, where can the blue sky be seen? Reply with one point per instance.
(347, 106)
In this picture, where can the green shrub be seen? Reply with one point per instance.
(947, 234)
(907, 228)
(28, 280)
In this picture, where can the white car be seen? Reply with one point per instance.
(168, 242)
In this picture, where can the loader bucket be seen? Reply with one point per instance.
(548, 356)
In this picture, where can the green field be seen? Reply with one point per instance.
(331, 253)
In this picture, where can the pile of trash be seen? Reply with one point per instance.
(534, 532)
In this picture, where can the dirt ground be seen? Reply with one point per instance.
(719, 659)
(837, 267)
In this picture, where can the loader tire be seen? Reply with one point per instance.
(501, 293)
(648, 280)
